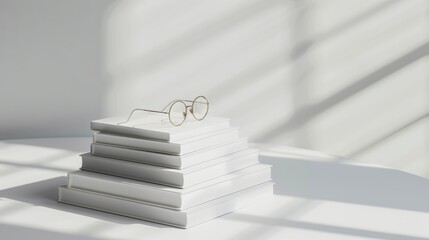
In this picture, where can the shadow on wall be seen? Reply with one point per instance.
(297, 73)
(302, 116)
(334, 77)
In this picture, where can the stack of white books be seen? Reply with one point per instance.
(179, 176)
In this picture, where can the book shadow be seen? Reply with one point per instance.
(45, 193)
(351, 183)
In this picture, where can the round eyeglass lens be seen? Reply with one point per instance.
(200, 107)
(177, 113)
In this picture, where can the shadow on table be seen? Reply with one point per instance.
(45, 193)
(359, 184)
(329, 178)
(19, 232)
(80, 144)
(279, 222)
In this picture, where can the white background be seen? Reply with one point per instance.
(345, 77)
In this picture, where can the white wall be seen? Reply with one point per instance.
(346, 77)
(50, 67)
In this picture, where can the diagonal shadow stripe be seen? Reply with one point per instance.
(380, 140)
(356, 20)
(9, 231)
(306, 114)
(45, 193)
(38, 166)
(181, 45)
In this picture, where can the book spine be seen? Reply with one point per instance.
(117, 186)
(137, 143)
(133, 155)
(132, 132)
(121, 206)
(133, 171)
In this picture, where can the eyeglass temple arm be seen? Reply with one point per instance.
(194, 101)
(140, 109)
(181, 100)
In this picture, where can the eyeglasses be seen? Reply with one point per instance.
(178, 110)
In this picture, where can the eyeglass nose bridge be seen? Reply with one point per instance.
(185, 113)
(190, 109)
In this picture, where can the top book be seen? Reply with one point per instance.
(157, 126)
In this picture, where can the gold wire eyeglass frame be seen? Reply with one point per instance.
(171, 104)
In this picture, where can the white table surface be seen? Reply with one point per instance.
(317, 196)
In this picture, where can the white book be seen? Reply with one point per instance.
(180, 178)
(172, 161)
(178, 147)
(157, 126)
(170, 197)
(183, 219)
